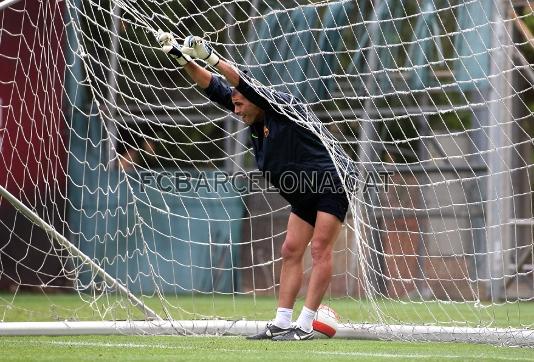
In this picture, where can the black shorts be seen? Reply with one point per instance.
(332, 203)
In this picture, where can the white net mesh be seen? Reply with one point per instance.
(111, 145)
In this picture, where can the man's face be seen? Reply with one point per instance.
(248, 111)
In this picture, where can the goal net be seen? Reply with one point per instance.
(126, 195)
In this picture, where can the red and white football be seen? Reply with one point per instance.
(326, 321)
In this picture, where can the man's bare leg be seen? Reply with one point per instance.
(327, 228)
(324, 234)
(299, 234)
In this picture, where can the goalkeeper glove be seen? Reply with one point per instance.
(170, 46)
(198, 48)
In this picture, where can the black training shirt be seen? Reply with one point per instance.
(280, 144)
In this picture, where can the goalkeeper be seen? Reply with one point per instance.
(281, 146)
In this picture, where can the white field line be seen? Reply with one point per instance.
(318, 353)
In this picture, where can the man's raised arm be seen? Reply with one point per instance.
(198, 48)
(216, 91)
(264, 97)
(261, 96)
(198, 74)
(195, 47)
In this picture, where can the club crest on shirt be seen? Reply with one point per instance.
(265, 132)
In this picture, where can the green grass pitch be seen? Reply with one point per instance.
(137, 348)
(35, 307)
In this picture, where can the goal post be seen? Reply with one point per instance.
(131, 204)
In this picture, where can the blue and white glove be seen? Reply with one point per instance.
(197, 47)
(170, 46)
